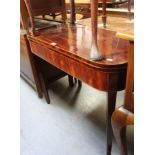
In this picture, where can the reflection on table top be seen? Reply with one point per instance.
(75, 42)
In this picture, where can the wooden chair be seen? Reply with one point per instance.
(42, 72)
(44, 7)
(124, 115)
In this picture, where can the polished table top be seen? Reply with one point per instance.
(75, 41)
(68, 48)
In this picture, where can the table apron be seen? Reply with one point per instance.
(96, 78)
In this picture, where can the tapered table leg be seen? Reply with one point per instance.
(110, 109)
(71, 82)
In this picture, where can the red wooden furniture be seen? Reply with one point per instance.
(27, 66)
(28, 69)
(104, 2)
(69, 49)
(88, 6)
(104, 12)
(84, 7)
(72, 55)
(95, 54)
(124, 115)
(37, 72)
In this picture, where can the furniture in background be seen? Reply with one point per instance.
(27, 66)
(124, 115)
(44, 7)
(83, 7)
(114, 4)
(38, 73)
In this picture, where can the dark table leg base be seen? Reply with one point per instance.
(110, 109)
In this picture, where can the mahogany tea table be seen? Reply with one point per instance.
(67, 47)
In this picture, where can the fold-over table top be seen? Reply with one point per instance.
(75, 41)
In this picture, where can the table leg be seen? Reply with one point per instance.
(104, 12)
(35, 72)
(110, 109)
(72, 10)
(44, 88)
(71, 82)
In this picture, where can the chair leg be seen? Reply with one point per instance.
(70, 79)
(119, 129)
(79, 83)
(73, 81)
(53, 15)
(45, 89)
